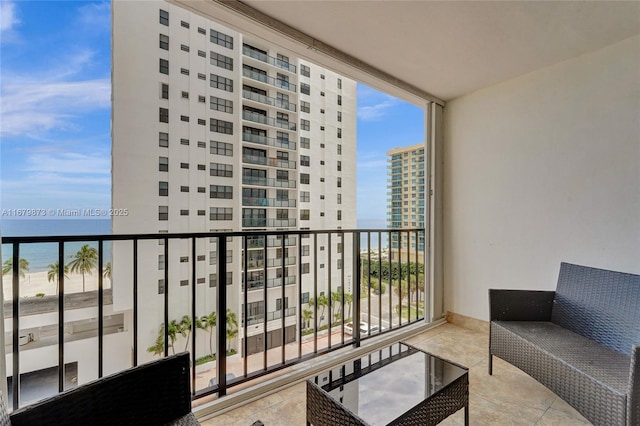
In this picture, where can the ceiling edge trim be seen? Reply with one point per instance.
(323, 48)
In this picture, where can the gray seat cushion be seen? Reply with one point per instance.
(592, 359)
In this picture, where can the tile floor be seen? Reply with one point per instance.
(509, 397)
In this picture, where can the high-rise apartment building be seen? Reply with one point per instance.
(406, 202)
(214, 130)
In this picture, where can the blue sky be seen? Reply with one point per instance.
(55, 113)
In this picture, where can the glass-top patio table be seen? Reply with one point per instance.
(396, 385)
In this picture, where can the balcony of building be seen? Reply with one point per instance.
(263, 139)
(268, 161)
(262, 56)
(257, 75)
(262, 118)
(255, 96)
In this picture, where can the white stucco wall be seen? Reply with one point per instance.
(542, 169)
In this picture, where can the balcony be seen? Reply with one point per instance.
(267, 222)
(264, 140)
(269, 121)
(263, 181)
(271, 282)
(268, 80)
(263, 57)
(268, 161)
(266, 100)
(267, 202)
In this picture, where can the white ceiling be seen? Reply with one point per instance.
(450, 48)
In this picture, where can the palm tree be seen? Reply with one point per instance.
(172, 332)
(84, 262)
(106, 272)
(306, 317)
(348, 299)
(158, 347)
(23, 266)
(232, 326)
(185, 329)
(52, 273)
(207, 323)
(322, 302)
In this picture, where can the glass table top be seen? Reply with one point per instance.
(385, 384)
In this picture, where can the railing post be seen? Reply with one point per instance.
(16, 326)
(221, 302)
(356, 302)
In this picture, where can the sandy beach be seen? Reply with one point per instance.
(36, 282)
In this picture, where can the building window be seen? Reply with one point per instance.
(223, 170)
(305, 71)
(305, 214)
(163, 139)
(184, 141)
(339, 214)
(322, 128)
(339, 116)
(164, 42)
(221, 61)
(184, 47)
(164, 91)
(184, 259)
(184, 71)
(201, 212)
(339, 149)
(213, 279)
(339, 99)
(304, 178)
(220, 104)
(202, 30)
(305, 160)
(339, 133)
(321, 214)
(184, 24)
(305, 106)
(202, 167)
(305, 197)
(339, 166)
(163, 189)
(161, 261)
(339, 248)
(305, 88)
(221, 39)
(202, 122)
(164, 66)
(339, 198)
(202, 189)
(184, 212)
(161, 286)
(222, 83)
(221, 148)
(202, 99)
(184, 189)
(322, 180)
(184, 165)
(321, 93)
(305, 268)
(221, 191)
(202, 53)
(164, 17)
(163, 164)
(339, 83)
(184, 118)
(305, 142)
(339, 182)
(221, 126)
(339, 265)
(322, 162)
(305, 124)
(202, 77)
(305, 250)
(221, 213)
(163, 214)
(185, 95)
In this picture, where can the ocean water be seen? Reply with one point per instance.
(40, 255)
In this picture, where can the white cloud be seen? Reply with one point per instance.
(377, 111)
(30, 108)
(96, 15)
(8, 17)
(69, 163)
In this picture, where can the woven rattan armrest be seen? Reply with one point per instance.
(633, 406)
(520, 305)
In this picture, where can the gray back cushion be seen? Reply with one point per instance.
(599, 304)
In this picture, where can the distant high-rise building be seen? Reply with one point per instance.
(406, 202)
(214, 130)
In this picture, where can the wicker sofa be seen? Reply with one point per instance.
(156, 393)
(582, 341)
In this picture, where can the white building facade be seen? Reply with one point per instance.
(217, 131)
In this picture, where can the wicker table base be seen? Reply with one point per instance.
(324, 409)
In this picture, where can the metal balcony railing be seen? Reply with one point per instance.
(149, 295)
(264, 78)
(264, 140)
(269, 121)
(267, 202)
(263, 181)
(255, 54)
(266, 100)
(268, 161)
(267, 222)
